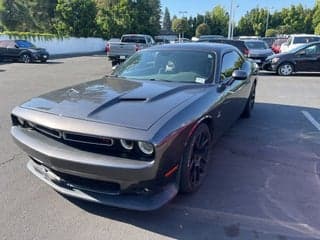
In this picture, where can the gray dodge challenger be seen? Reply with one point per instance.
(137, 137)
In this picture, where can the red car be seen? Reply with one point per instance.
(277, 44)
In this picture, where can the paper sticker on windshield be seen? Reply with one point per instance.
(209, 56)
(200, 80)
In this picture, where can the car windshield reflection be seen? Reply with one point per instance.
(173, 66)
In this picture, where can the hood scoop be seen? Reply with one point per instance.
(132, 99)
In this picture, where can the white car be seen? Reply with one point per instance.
(296, 40)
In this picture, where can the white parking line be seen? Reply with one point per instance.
(311, 119)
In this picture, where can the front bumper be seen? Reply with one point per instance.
(128, 177)
(40, 56)
(128, 201)
(269, 66)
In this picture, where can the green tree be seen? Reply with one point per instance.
(42, 12)
(316, 15)
(298, 18)
(220, 19)
(14, 16)
(317, 29)
(76, 18)
(167, 20)
(202, 29)
(31, 16)
(115, 18)
(180, 25)
(271, 32)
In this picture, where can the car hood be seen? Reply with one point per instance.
(37, 50)
(280, 55)
(260, 52)
(116, 101)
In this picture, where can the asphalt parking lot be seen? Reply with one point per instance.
(264, 181)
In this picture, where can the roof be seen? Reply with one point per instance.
(135, 35)
(304, 35)
(203, 46)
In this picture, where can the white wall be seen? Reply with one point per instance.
(68, 45)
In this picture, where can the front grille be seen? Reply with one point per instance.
(73, 137)
(95, 144)
(104, 141)
(87, 184)
(46, 130)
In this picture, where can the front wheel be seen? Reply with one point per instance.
(250, 103)
(26, 58)
(285, 69)
(195, 160)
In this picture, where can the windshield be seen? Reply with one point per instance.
(133, 39)
(298, 40)
(257, 45)
(24, 44)
(168, 65)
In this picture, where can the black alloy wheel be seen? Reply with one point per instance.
(195, 160)
(250, 103)
(26, 58)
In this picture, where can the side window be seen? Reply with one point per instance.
(312, 50)
(11, 44)
(3, 44)
(230, 61)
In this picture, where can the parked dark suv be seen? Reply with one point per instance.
(256, 50)
(22, 50)
(304, 58)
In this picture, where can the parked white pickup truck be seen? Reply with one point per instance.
(118, 52)
(296, 40)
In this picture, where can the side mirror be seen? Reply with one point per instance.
(301, 53)
(16, 46)
(239, 75)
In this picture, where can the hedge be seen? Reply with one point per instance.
(29, 35)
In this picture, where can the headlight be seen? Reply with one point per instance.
(146, 148)
(275, 60)
(21, 121)
(127, 144)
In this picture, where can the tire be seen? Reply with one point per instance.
(44, 60)
(195, 159)
(285, 69)
(25, 58)
(250, 103)
(115, 62)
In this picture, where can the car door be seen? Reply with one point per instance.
(3, 49)
(235, 92)
(13, 50)
(308, 59)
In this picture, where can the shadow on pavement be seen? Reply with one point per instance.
(299, 74)
(263, 183)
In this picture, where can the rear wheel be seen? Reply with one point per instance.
(26, 58)
(195, 160)
(285, 69)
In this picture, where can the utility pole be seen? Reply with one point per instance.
(183, 16)
(230, 19)
(267, 21)
(233, 22)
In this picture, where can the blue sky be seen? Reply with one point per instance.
(201, 6)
